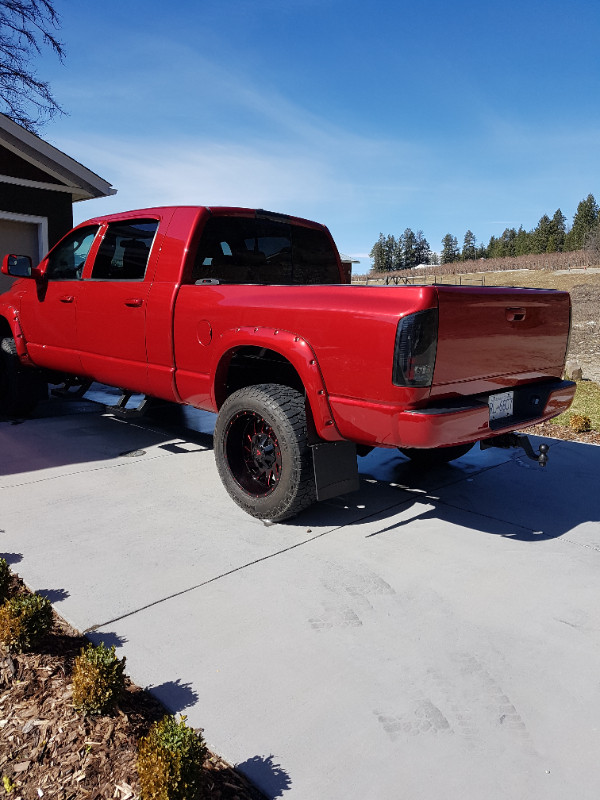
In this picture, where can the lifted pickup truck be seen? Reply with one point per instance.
(246, 313)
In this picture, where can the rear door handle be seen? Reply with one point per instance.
(515, 314)
(66, 298)
(134, 302)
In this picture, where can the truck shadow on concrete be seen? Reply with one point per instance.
(65, 432)
(501, 492)
(498, 492)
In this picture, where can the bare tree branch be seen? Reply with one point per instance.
(26, 28)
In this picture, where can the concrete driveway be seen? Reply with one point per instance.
(430, 636)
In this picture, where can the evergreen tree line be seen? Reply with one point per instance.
(405, 252)
(551, 235)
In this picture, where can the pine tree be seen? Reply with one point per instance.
(469, 246)
(558, 231)
(540, 237)
(377, 254)
(422, 249)
(398, 254)
(491, 248)
(585, 219)
(409, 249)
(450, 251)
(391, 247)
(509, 236)
(523, 242)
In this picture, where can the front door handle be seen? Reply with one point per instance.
(134, 302)
(66, 298)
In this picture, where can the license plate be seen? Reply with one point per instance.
(501, 405)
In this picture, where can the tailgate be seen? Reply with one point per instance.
(495, 337)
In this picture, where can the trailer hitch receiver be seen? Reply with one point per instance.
(508, 441)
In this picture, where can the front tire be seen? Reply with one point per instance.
(21, 388)
(262, 452)
(428, 458)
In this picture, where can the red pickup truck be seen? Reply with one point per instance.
(248, 313)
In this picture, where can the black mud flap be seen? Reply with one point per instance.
(336, 468)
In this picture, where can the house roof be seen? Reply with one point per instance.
(27, 160)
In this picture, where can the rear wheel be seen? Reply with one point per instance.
(21, 388)
(262, 452)
(435, 457)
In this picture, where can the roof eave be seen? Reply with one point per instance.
(81, 181)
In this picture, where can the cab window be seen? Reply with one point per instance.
(124, 251)
(260, 250)
(67, 259)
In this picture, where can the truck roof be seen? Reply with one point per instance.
(221, 211)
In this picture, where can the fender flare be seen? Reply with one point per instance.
(301, 356)
(11, 315)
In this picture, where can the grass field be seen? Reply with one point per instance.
(540, 279)
(528, 278)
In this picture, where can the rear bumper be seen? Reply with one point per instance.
(453, 422)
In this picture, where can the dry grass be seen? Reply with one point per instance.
(528, 278)
(541, 279)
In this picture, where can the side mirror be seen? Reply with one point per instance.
(17, 266)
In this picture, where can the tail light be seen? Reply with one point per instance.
(415, 350)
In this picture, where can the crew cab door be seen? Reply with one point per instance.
(111, 312)
(49, 306)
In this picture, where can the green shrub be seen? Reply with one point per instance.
(170, 761)
(24, 621)
(4, 579)
(98, 679)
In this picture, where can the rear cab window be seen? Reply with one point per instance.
(257, 250)
(125, 250)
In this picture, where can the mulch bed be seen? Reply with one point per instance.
(48, 750)
(563, 432)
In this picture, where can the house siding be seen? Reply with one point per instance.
(16, 167)
(55, 206)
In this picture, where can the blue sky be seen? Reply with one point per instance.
(368, 117)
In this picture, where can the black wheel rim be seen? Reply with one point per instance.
(253, 453)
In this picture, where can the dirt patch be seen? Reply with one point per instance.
(584, 346)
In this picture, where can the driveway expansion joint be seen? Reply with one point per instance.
(211, 580)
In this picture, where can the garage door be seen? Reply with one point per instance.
(21, 238)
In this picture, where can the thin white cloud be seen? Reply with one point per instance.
(204, 172)
(240, 142)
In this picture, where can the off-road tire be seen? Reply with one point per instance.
(262, 452)
(21, 388)
(429, 458)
